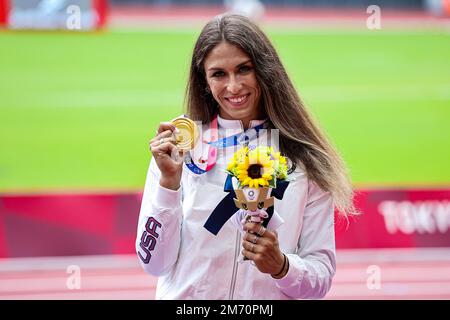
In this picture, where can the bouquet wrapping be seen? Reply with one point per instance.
(257, 171)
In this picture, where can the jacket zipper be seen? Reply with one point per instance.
(236, 251)
(235, 266)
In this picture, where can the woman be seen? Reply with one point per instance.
(238, 82)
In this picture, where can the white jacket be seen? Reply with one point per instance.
(192, 263)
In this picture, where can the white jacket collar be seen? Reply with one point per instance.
(236, 124)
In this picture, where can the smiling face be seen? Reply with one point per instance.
(231, 77)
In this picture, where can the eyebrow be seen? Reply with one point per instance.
(239, 65)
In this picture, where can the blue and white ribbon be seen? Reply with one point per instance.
(234, 140)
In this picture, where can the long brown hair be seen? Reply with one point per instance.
(301, 140)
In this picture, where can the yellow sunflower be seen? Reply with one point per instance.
(240, 157)
(256, 169)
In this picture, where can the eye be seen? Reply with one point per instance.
(218, 74)
(260, 205)
(244, 69)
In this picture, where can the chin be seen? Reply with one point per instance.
(239, 113)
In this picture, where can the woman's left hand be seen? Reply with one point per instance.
(263, 250)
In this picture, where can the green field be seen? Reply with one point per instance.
(77, 110)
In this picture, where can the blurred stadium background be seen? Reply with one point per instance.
(84, 83)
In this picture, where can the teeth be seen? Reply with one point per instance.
(237, 100)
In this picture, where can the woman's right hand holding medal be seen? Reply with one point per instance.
(168, 157)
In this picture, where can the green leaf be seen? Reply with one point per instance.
(273, 182)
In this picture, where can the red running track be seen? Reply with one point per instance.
(403, 274)
(290, 17)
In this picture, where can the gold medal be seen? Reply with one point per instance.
(187, 135)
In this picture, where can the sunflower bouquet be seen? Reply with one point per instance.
(257, 171)
(257, 167)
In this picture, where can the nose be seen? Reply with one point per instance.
(234, 85)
